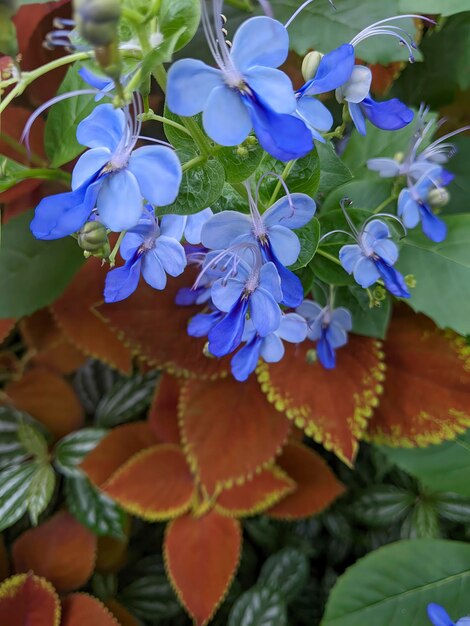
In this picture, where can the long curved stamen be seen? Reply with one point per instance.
(159, 141)
(346, 202)
(267, 8)
(283, 183)
(254, 211)
(335, 232)
(439, 146)
(386, 216)
(300, 9)
(211, 40)
(231, 254)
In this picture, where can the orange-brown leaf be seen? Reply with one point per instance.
(76, 316)
(121, 613)
(48, 398)
(427, 389)
(6, 326)
(115, 449)
(256, 495)
(163, 415)
(28, 600)
(201, 557)
(155, 484)
(332, 406)
(317, 486)
(229, 429)
(80, 609)
(156, 327)
(4, 562)
(111, 552)
(61, 550)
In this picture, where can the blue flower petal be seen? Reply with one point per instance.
(293, 212)
(274, 87)
(260, 41)
(173, 226)
(386, 249)
(366, 272)
(375, 229)
(336, 335)
(244, 362)
(433, 227)
(315, 114)
(121, 282)
(465, 621)
(226, 293)
(293, 328)
(342, 317)
(408, 209)
(439, 616)
(88, 165)
(153, 270)
(387, 168)
(190, 83)
(334, 70)
(119, 201)
(130, 244)
(103, 128)
(325, 352)
(358, 118)
(349, 255)
(223, 228)
(285, 244)
(357, 87)
(158, 172)
(309, 310)
(269, 280)
(171, 254)
(201, 324)
(225, 337)
(264, 311)
(393, 280)
(272, 348)
(389, 115)
(194, 224)
(225, 118)
(98, 82)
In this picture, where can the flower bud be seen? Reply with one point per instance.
(438, 197)
(310, 64)
(251, 140)
(311, 357)
(242, 152)
(379, 294)
(97, 20)
(410, 281)
(399, 156)
(93, 239)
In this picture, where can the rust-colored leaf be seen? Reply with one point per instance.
(256, 495)
(28, 600)
(229, 430)
(427, 389)
(201, 557)
(6, 326)
(115, 449)
(80, 609)
(48, 398)
(156, 327)
(76, 316)
(155, 484)
(163, 415)
(317, 486)
(111, 552)
(61, 550)
(121, 613)
(331, 406)
(4, 562)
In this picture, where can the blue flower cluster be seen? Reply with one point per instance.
(439, 617)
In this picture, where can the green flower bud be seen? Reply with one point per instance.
(242, 152)
(379, 294)
(251, 141)
(410, 281)
(311, 356)
(438, 197)
(399, 156)
(97, 20)
(310, 64)
(93, 239)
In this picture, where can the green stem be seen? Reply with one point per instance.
(168, 122)
(328, 256)
(132, 16)
(384, 204)
(112, 256)
(45, 174)
(284, 176)
(20, 149)
(193, 162)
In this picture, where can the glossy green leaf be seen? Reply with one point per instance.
(459, 189)
(179, 14)
(287, 572)
(12, 451)
(423, 522)
(366, 194)
(92, 382)
(128, 398)
(72, 449)
(33, 273)
(443, 7)
(309, 236)
(453, 507)
(150, 595)
(304, 176)
(237, 164)
(40, 490)
(15, 485)
(333, 171)
(10, 173)
(382, 505)
(394, 584)
(32, 440)
(371, 322)
(259, 607)
(442, 272)
(161, 54)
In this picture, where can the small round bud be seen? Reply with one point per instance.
(242, 152)
(379, 294)
(438, 197)
(93, 239)
(399, 156)
(310, 64)
(311, 357)
(251, 141)
(97, 20)
(410, 281)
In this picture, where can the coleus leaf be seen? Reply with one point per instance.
(29, 599)
(332, 406)
(211, 544)
(80, 608)
(6, 326)
(220, 415)
(163, 414)
(72, 449)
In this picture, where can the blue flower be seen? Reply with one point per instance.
(414, 207)
(111, 176)
(246, 289)
(439, 617)
(272, 232)
(247, 91)
(373, 258)
(292, 328)
(150, 249)
(328, 327)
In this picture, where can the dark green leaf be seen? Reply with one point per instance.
(92, 382)
(259, 607)
(454, 508)
(444, 7)
(40, 490)
(308, 235)
(304, 177)
(128, 398)
(371, 322)
(12, 450)
(179, 14)
(178, 138)
(238, 167)
(94, 509)
(230, 200)
(10, 173)
(382, 505)
(151, 597)
(459, 189)
(286, 572)
(366, 194)
(15, 483)
(394, 584)
(32, 440)
(264, 532)
(33, 273)
(333, 172)
(423, 522)
(72, 449)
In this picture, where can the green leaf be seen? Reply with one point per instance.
(366, 194)
(309, 236)
(454, 508)
(304, 177)
(238, 168)
(12, 451)
(442, 272)
(41, 488)
(72, 449)
(128, 398)
(32, 440)
(178, 138)
(92, 382)
(459, 189)
(382, 505)
(151, 597)
(394, 584)
(33, 273)
(423, 523)
(441, 468)
(371, 322)
(259, 607)
(286, 572)
(201, 187)
(321, 27)
(179, 14)
(333, 171)
(10, 173)
(230, 200)
(8, 39)
(94, 509)
(63, 118)
(443, 7)
(14, 487)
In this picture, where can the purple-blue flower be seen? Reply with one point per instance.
(373, 257)
(111, 177)
(292, 328)
(246, 91)
(439, 617)
(328, 327)
(149, 249)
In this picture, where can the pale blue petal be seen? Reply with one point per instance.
(171, 255)
(309, 310)
(386, 249)
(428, 180)
(121, 282)
(315, 114)
(225, 118)
(173, 226)
(220, 231)
(190, 83)
(387, 168)
(272, 348)
(349, 255)
(153, 271)
(91, 162)
(269, 280)
(293, 328)
(336, 335)
(375, 229)
(194, 224)
(265, 312)
(465, 621)
(439, 616)
(226, 293)
(285, 244)
(342, 317)
(366, 272)
(119, 201)
(357, 87)
(274, 87)
(103, 128)
(408, 209)
(260, 41)
(293, 212)
(358, 118)
(130, 244)
(244, 362)
(158, 172)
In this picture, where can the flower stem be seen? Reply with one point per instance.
(385, 203)
(112, 256)
(194, 162)
(150, 115)
(328, 256)
(21, 150)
